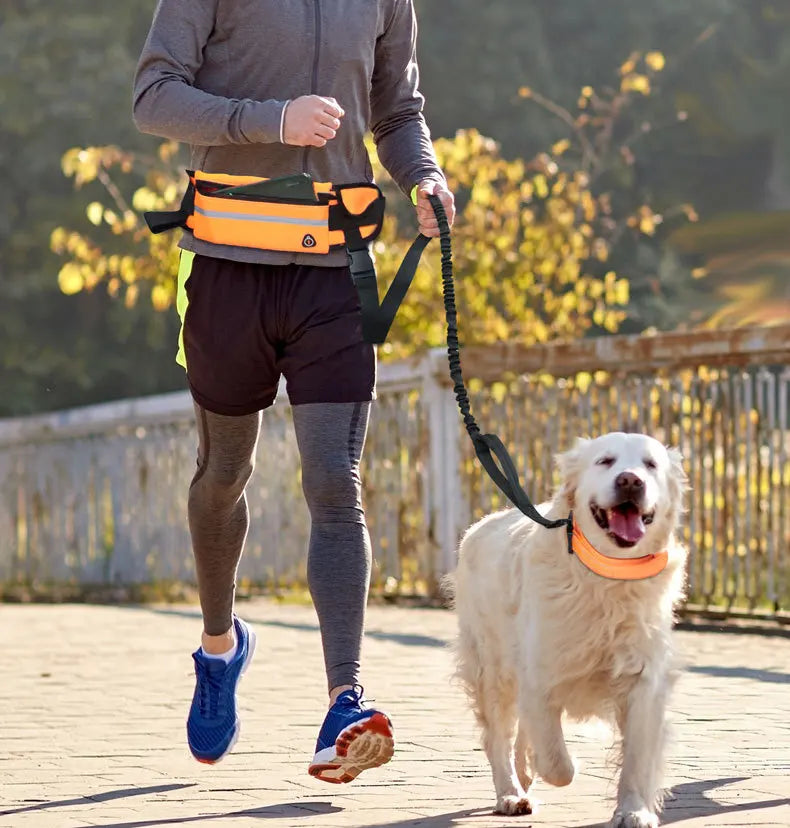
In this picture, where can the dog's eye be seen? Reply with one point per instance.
(650, 464)
(605, 461)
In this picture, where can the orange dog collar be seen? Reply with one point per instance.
(618, 569)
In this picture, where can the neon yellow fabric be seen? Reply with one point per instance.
(184, 271)
(414, 194)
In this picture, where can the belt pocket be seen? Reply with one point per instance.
(262, 224)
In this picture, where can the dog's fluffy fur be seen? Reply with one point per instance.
(540, 635)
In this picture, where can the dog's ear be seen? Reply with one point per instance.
(678, 482)
(570, 465)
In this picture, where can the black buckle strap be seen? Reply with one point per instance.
(377, 318)
(341, 219)
(159, 221)
(363, 274)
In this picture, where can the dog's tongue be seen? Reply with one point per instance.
(626, 522)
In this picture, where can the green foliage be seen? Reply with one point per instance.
(523, 242)
(65, 81)
(533, 243)
(728, 66)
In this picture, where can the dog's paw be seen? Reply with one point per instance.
(634, 819)
(513, 805)
(559, 772)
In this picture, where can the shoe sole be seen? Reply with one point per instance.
(368, 744)
(251, 641)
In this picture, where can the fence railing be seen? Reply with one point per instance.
(98, 495)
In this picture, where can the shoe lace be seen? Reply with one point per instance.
(209, 693)
(357, 700)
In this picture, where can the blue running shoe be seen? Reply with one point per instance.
(353, 738)
(213, 724)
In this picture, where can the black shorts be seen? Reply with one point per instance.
(244, 325)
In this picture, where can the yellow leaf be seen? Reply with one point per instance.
(127, 270)
(86, 166)
(647, 225)
(525, 92)
(628, 66)
(160, 297)
(655, 60)
(635, 83)
(168, 150)
(541, 186)
(70, 279)
(540, 331)
(691, 213)
(561, 146)
(621, 292)
(95, 211)
(89, 277)
(57, 240)
(131, 296)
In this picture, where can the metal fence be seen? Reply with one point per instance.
(98, 495)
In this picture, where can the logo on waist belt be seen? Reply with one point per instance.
(308, 241)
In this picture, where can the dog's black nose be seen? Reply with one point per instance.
(629, 484)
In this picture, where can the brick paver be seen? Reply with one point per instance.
(93, 701)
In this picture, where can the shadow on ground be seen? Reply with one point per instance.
(407, 639)
(686, 801)
(107, 796)
(771, 676)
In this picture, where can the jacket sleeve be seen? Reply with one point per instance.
(166, 102)
(402, 137)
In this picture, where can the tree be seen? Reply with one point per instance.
(65, 81)
(533, 246)
(60, 65)
(729, 62)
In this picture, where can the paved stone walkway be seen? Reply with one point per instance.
(93, 701)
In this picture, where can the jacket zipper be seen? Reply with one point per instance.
(316, 57)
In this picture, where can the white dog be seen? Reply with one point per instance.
(543, 632)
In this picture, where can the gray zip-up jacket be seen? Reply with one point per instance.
(216, 75)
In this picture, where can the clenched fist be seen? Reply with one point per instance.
(311, 121)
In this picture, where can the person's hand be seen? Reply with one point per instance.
(311, 121)
(426, 218)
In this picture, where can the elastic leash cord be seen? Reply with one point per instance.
(488, 447)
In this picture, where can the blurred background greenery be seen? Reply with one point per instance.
(661, 128)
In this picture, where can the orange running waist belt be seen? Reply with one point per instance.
(232, 210)
(298, 215)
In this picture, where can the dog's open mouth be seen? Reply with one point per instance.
(625, 523)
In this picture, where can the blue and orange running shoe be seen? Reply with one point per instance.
(213, 724)
(353, 738)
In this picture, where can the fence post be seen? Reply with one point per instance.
(445, 508)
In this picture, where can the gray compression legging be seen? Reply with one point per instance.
(330, 438)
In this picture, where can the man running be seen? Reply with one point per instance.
(266, 88)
